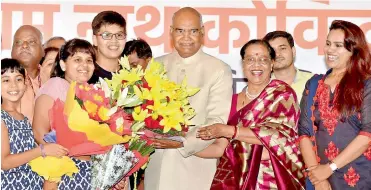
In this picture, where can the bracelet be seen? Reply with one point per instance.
(234, 133)
(42, 151)
(308, 168)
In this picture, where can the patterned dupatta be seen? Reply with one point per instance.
(272, 117)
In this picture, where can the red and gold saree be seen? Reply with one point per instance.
(272, 117)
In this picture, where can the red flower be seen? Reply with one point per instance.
(368, 153)
(128, 121)
(351, 177)
(153, 124)
(331, 152)
(145, 85)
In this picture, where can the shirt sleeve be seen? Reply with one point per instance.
(55, 87)
(218, 108)
(366, 110)
(305, 123)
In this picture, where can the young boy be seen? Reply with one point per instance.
(109, 38)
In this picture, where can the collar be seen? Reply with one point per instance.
(295, 78)
(189, 60)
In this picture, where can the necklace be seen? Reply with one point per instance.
(251, 97)
(248, 95)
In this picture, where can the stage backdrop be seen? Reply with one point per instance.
(228, 23)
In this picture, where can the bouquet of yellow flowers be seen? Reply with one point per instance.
(156, 104)
(164, 107)
(82, 125)
(114, 121)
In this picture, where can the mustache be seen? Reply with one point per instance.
(25, 51)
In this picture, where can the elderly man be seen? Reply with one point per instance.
(173, 165)
(27, 49)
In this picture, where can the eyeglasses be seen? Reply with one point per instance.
(108, 36)
(181, 31)
(261, 60)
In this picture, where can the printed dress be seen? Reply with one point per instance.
(21, 139)
(332, 134)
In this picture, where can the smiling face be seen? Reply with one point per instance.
(284, 53)
(187, 32)
(12, 86)
(78, 67)
(257, 64)
(110, 48)
(336, 55)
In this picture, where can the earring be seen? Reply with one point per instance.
(62, 64)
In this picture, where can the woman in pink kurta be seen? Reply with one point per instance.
(75, 62)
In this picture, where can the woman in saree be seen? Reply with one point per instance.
(335, 121)
(257, 146)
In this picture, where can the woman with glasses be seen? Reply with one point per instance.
(257, 146)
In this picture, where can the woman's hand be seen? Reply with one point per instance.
(56, 150)
(214, 131)
(319, 173)
(122, 185)
(323, 185)
(48, 185)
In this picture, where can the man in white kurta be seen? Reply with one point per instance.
(173, 166)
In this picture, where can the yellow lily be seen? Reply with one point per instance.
(140, 116)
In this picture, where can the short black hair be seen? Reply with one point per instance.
(69, 49)
(12, 65)
(139, 46)
(272, 53)
(108, 18)
(280, 34)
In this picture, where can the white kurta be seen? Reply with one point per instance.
(178, 169)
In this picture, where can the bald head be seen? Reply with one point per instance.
(187, 31)
(27, 46)
(188, 11)
(31, 29)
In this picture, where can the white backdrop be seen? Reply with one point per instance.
(229, 23)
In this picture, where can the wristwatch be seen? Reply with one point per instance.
(333, 166)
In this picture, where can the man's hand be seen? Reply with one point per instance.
(166, 144)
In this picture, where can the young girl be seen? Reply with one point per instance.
(18, 146)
